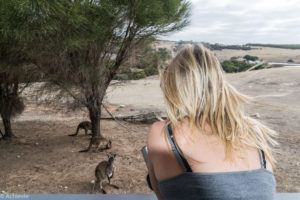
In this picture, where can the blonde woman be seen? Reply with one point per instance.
(208, 148)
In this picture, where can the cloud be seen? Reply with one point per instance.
(242, 21)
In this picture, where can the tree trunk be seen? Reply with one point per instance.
(7, 127)
(94, 103)
(95, 106)
(95, 115)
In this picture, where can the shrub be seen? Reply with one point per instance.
(235, 66)
(138, 74)
(151, 70)
(121, 77)
(252, 58)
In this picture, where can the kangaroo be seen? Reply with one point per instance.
(100, 143)
(105, 169)
(86, 125)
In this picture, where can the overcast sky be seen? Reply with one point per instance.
(242, 21)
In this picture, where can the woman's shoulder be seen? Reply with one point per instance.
(155, 134)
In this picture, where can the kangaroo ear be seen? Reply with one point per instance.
(108, 156)
(114, 155)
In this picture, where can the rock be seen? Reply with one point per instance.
(122, 106)
(256, 115)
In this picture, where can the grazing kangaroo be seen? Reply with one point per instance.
(100, 143)
(86, 125)
(105, 169)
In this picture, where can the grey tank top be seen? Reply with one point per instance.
(258, 184)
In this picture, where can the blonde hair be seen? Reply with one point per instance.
(194, 86)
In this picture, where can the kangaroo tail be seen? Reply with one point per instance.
(76, 132)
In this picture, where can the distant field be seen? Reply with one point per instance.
(282, 46)
(270, 54)
(266, 53)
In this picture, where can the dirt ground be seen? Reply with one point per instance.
(44, 159)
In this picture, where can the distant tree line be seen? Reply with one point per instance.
(210, 46)
(282, 46)
(222, 46)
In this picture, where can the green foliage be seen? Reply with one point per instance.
(80, 45)
(151, 70)
(235, 66)
(138, 74)
(16, 39)
(125, 70)
(90, 40)
(250, 58)
(290, 60)
(126, 73)
(121, 77)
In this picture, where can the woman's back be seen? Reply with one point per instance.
(212, 177)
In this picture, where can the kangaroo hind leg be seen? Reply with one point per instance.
(101, 187)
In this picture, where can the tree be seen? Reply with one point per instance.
(250, 58)
(15, 69)
(233, 65)
(92, 39)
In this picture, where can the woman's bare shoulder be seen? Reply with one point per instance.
(155, 134)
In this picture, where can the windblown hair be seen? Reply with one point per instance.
(194, 86)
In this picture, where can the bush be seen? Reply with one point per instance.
(138, 74)
(290, 60)
(125, 70)
(121, 77)
(252, 58)
(151, 70)
(235, 66)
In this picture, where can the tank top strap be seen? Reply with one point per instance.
(176, 150)
(262, 158)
